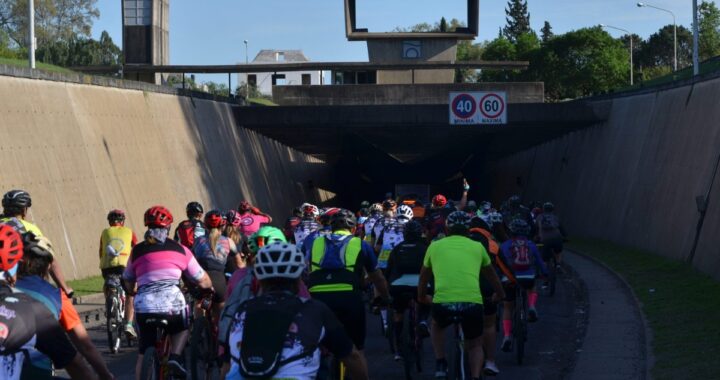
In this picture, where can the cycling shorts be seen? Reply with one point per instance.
(113, 271)
(470, 316)
(148, 334)
(550, 247)
(219, 284)
(349, 309)
(401, 297)
(510, 293)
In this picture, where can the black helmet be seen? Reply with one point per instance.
(16, 200)
(519, 227)
(413, 230)
(116, 216)
(514, 200)
(548, 207)
(343, 219)
(194, 208)
(458, 220)
(478, 222)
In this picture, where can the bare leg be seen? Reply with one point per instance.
(474, 348)
(129, 308)
(437, 336)
(57, 276)
(178, 341)
(138, 366)
(489, 336)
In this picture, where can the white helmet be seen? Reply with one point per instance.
(404, 211)
(279, 260)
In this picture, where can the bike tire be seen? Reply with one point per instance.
(520, 327)
(406, 349)
(200, 349)
(112, 324)
(150, 369)
(456, 360)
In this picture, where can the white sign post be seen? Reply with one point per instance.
(471, 108)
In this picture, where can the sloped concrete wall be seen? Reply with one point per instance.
(633, 179)
(82, 150)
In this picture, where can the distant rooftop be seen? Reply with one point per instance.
(278, 56)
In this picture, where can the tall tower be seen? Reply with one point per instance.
(146, 36)
(412, 47)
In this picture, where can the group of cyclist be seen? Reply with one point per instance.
(285, 298)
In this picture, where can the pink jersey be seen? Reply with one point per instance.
(250, 223)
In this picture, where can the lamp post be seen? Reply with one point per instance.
(640, 5)
(247, 77)
(31, 36)
(696, 63)
(632, 80)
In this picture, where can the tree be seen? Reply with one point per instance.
(55, 20)
(709, 30)
(443, 25)
(658, 49)
(80, 51)
(546, 32)
(499, 49)
(517, 19)
(637, 43)
(581, 63)
(220, 89)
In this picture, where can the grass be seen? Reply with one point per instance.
(707, 66)
(38, 65)
(261, 101)
(87, 286)
(681, 305)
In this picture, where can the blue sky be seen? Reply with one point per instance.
(212, 31)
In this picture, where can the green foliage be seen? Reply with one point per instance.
(709, 30)
(517, 19)
(658, 49)
(81, 51)
(55, 20)
(241, 90)
(176, 80)
(443, 25)
(546, 32)
(581, 63)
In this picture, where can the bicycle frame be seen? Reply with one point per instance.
(520, 322)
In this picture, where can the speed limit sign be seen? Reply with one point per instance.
(478, 107)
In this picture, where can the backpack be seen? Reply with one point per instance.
(185, 233)
(549, 222)
(265, 331)
(241, 293)
(521, 259)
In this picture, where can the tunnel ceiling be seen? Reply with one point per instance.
(407, 140)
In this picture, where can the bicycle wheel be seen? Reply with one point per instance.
(150, 369)
(520, 326)
(113, 325)
(200, 349)
(553, 278)
(456, 359)
(406, 343)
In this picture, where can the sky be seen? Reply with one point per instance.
(212, 31)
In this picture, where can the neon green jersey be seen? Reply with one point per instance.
(26, 226)
(456, 262)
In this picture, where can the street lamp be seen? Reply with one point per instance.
(632, 81)
(247, 77)
(640, 5)
(696, 63)
(31, 35)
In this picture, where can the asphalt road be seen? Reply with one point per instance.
(551, 351)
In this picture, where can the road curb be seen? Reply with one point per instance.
(646, 334)
(89, 298)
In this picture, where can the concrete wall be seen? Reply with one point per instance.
(633, 179)
(364, 94)
(81, 150)
(392, 51)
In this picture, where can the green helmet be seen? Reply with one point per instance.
(265, 236)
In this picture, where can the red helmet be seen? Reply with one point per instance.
(158, 216)
(439, 201)
(233, 217)
(11, 247)
(310, 211)
(244, 206)
(214, 219)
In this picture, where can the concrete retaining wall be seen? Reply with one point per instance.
(633, 180)
(81, 150)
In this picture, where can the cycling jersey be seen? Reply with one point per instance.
(391, 234)
(213, 261)
(289, 231)
(26, 324)
(456, 262)
(157, 269)
(435, 222)
(405, 262)
(370, 225)
(308, 242)
(313, 326)
(20, 225)
(250, 223)
(115, 245)
(304, 229)
(337, 262)
(189, 230)
(523, 257)
(549, 228)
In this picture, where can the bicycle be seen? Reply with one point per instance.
(154, 365)
(520, 322)
(551, 282)
(410, 344)
(204, 361)
(115, 313)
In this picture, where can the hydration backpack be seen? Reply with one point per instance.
(520, 255)
(549, 222)
(187, 231)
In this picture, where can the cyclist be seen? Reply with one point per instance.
(480, 232)
(551, 233)
(16, 204)
(251, 218)
(324, 219)
(32, 280)
(232, 226)
(525, 262)
(292, 222)
(389, 207)
(26, 324)
(439, 210)
(116, 242)
(213, 253)
(338, 263)
(156, 266)
(279, 334)
(456, 263)
(403, 272)
(308, 223)
(376, 213)
(515, 210)
(192, 228)
(416, 206)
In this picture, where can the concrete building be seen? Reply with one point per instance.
(264, 81)
(146, 37)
